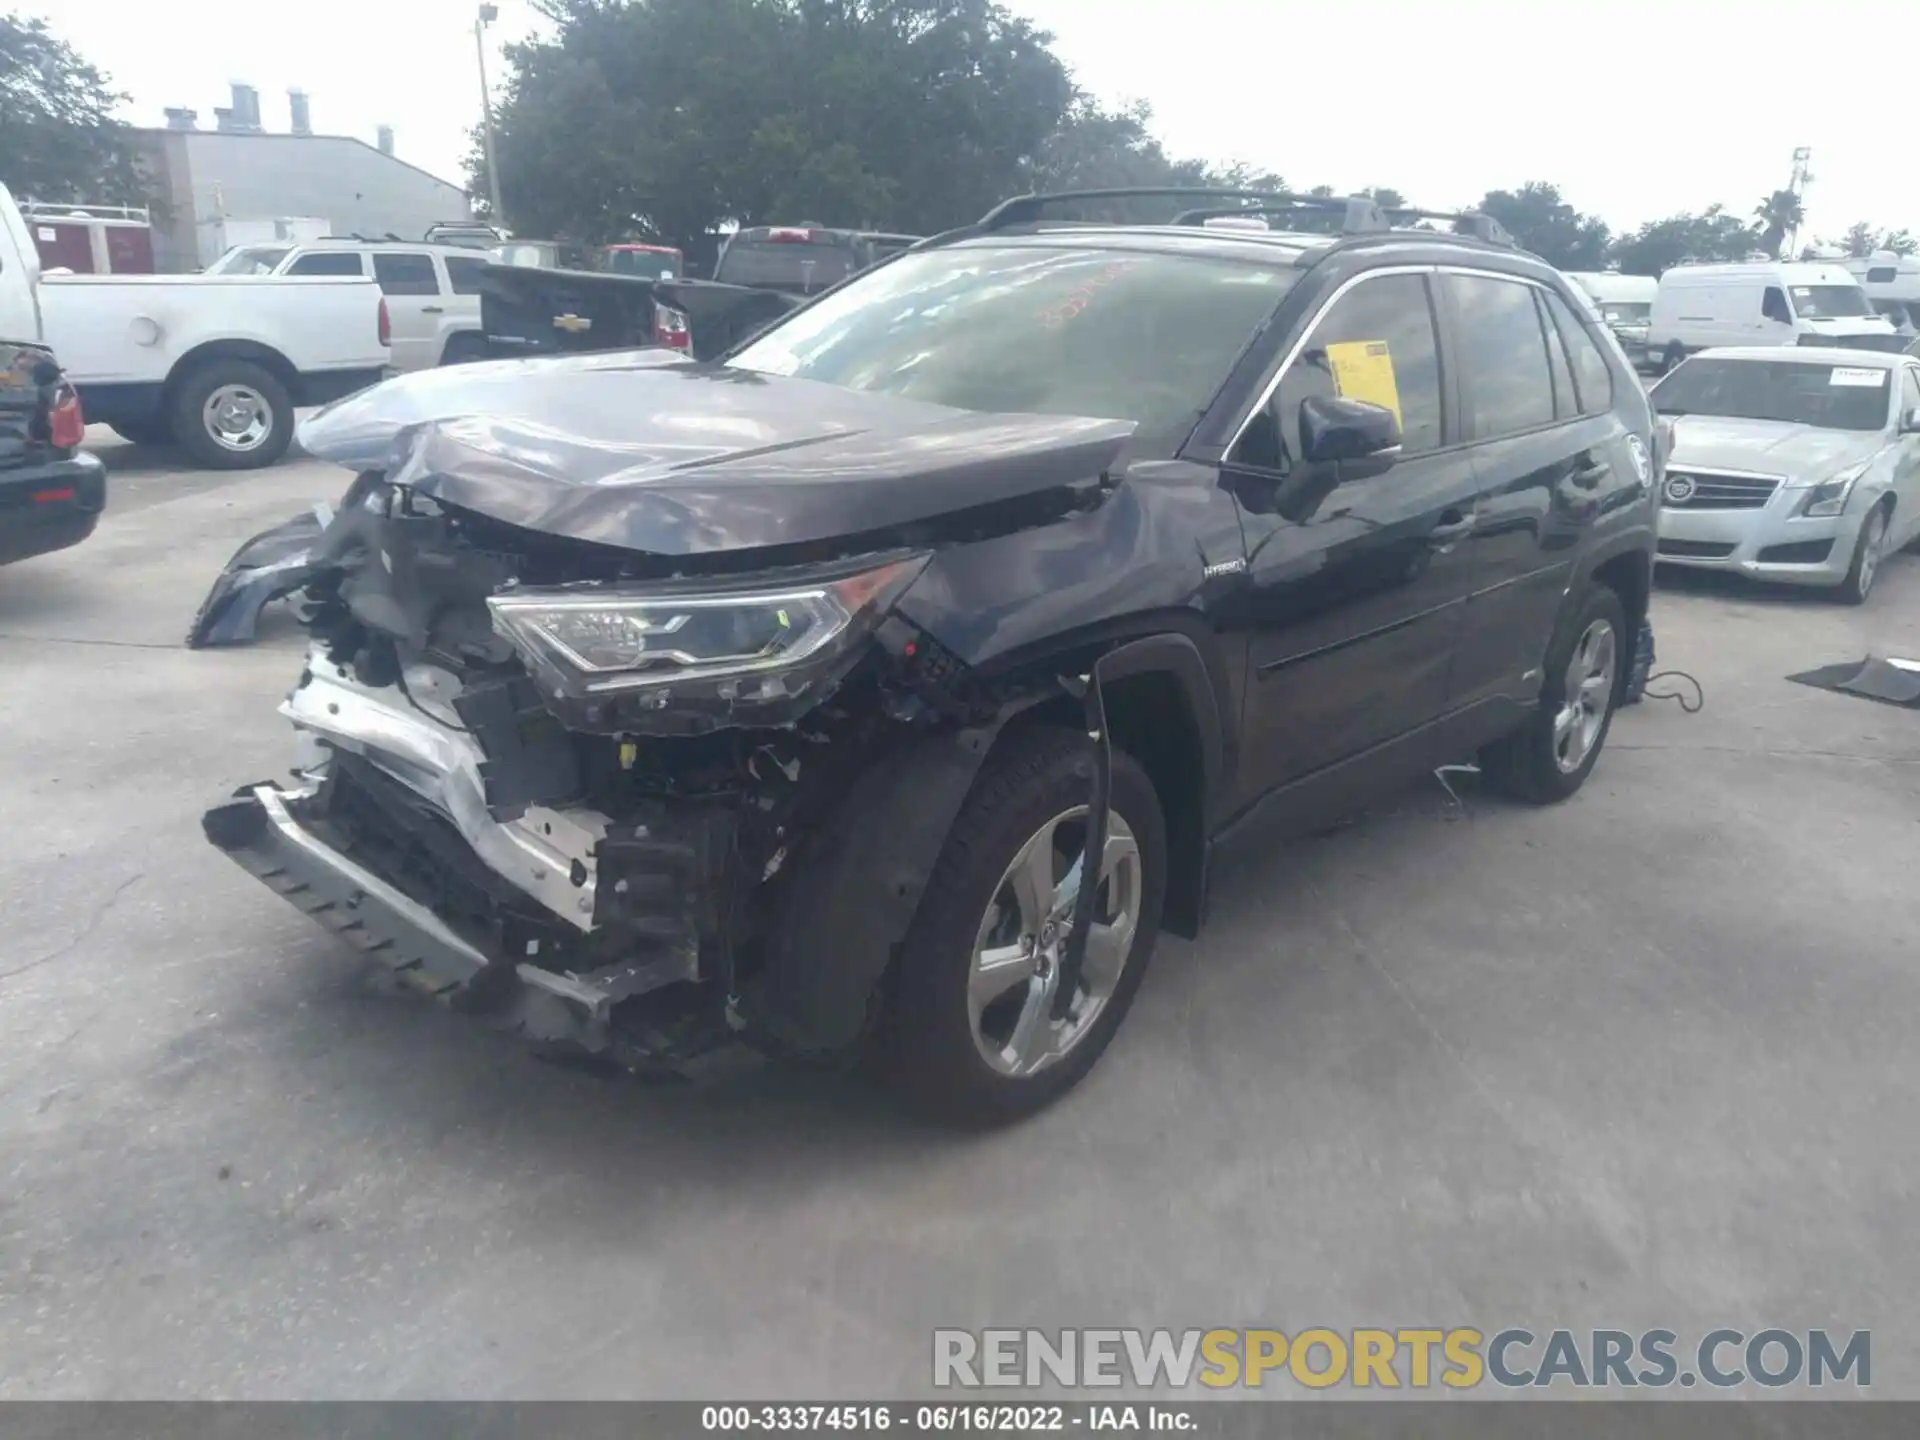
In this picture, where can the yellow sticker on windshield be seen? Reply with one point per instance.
(1363, 370)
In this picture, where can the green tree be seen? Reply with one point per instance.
(58, 137)
(1094, 147)
(1540, 221)
(1780, 214)
(676, 115)
(1862, 240)
(1711, 235)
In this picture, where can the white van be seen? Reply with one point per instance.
(1892, 282)
(1624, 303)
(1763, 303)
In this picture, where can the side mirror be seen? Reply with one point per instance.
(1337, 431)
(1910, 421)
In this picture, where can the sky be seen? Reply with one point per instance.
(1441, 102)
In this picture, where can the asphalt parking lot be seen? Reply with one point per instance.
(1646, 1059)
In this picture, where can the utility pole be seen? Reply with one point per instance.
(1798, 186)
(486, 15)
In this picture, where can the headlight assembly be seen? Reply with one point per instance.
(661, 647)
(1829, 497)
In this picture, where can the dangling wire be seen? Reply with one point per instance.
(1678, 697)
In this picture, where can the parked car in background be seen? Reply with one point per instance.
(432, 291)
(1892, 282)
(654, 262)
(1800, 466)
(1624, 304)
(466, 234)
(216, 363)
(801, 260)
(891, 682)
(1763, 303)
(51, 492)
(528, 310)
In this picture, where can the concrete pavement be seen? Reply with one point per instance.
(1645, 1059)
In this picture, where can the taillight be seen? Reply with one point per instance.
(386, 324)
(671, 328)
(66, 425)
(784, 236)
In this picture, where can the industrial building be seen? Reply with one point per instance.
(238, 178)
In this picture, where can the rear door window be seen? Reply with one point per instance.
(1773, 306)
(401, 274)
(1593, 377)
(1502, 353)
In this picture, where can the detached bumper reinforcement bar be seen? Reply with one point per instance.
(260, 834)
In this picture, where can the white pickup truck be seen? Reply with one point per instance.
(215, 363)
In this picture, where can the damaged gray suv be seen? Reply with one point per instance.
(885, 686)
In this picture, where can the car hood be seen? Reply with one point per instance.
(1804, 454)
(648, 451)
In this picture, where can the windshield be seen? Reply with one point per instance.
(654, 264)
(1019, 329)
(1829, 302)
(800, 266)
(249, 260)
(1829, 397)
(1624, 312)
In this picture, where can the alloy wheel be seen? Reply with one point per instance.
(1587, 693)
(237, 417)
(1021, 1023)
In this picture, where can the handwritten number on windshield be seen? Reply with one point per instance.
(1077, 300)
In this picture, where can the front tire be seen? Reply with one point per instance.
(974, 1033)
(232, 415)
(1670, 361)
(1868, 551)
(1550, 756)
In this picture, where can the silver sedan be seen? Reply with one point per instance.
(1799, 465)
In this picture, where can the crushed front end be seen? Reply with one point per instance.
(495, 800)
(610, 727)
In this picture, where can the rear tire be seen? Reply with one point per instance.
(1537, 763)
(1868, 553)
(232, 415)
(934, 1046)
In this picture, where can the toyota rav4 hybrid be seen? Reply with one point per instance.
(884, 687)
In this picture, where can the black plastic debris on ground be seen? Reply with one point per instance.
(1890, 681)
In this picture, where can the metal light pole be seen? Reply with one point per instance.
(487, 14)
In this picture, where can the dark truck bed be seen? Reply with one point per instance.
(536, 311)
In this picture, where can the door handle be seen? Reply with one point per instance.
(433, 309)
(1453, 524)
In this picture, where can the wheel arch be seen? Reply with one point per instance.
(1164, 710)
(867, 871)
(251, 351)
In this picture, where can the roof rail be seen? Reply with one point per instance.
(1359, 214)
(60, 210)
